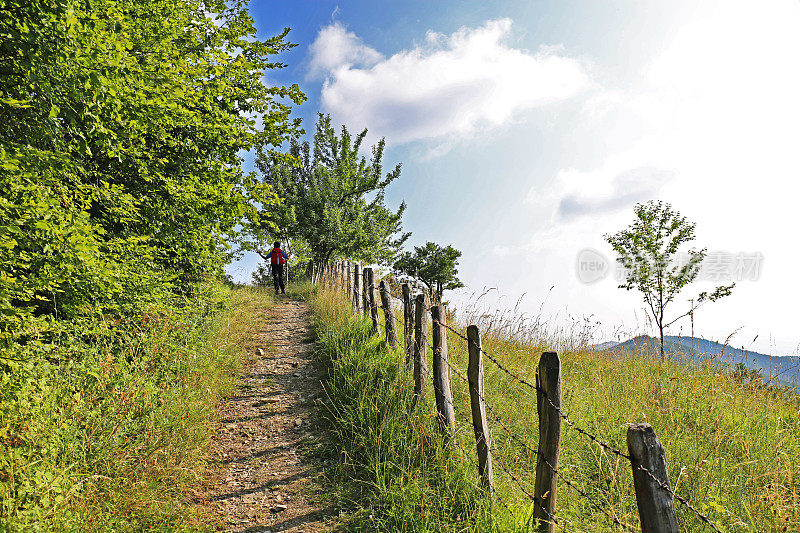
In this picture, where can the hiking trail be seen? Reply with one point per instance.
(262, 482)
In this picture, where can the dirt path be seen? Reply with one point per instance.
(264, 484)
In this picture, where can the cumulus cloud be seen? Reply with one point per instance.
(336, 48)
(450, 86)
(624, 189)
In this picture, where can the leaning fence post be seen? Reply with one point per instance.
(356, 296)
(653, 496)
(373, 301)
(478, 403)
(388, 314)
(548, 403)
(408, 323)
(441, 371)
(420, 344)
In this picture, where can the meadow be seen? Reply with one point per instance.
(732, 447)
(110, 431)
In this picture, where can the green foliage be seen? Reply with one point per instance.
(738, 469)
(121, 196)
(113, 438)
(433, 265)
(121, 125)
(390, 465)
(332, 198)
(649, 250)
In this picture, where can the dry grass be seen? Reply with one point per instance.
(733, 449)
(117, 439)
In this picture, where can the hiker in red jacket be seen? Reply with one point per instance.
(277, 259)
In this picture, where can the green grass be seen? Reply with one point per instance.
(732, 449)
(110, 433)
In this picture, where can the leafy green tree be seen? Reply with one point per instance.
(649, 251)
(333, 198)
(121, 129)
(434, 265)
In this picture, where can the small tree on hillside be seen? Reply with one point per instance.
(333, 199)
(649, 252)
(433, 265)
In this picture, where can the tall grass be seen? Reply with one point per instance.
(733, 448)
(390, 468)
(114, 436)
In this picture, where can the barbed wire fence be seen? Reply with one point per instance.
(654, 496)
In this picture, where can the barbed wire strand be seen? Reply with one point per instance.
(590, 436)
(580, 430)
(555, 471)
(454, 440)
(532, 497)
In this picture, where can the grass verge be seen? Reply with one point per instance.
(732, 447)
(109, 433)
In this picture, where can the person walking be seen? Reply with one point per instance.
(277, 259)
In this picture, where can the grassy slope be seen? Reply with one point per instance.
(115, 439)
(732, 450)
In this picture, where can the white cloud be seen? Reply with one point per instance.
(452, 86)
(336, 48)
(717, 119)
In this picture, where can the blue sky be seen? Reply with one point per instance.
(527, 130)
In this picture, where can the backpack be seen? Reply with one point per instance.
(276, 258)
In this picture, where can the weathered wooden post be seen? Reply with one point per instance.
(365, 293)
(372, 300)
(356, 295)
(388, 315)
(478, 403)
(348, 279)
(420, 344)
(548, 402)
(408, 323)
(656, 506)
(441, 372)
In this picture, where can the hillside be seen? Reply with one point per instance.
(727, 467)
(775, 370)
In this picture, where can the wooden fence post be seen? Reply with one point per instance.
(441, 372)
(356, 296)
(372, 300)
(347, 279)
(548, 382)
(477, 402)
(420, 344)
(388, 314)
(656, 507)
(364, 292)
(408, 323)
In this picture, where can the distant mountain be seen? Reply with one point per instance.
(646, 345)
(776, 370)
(785, 369)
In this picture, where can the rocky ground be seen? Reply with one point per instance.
(262, 482)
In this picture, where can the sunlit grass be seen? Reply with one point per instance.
(733, 449)
(117, 440)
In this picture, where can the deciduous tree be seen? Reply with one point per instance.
(333, 198)
(434, 265)
(649, 251)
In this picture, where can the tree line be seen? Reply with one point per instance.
(122, 126)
